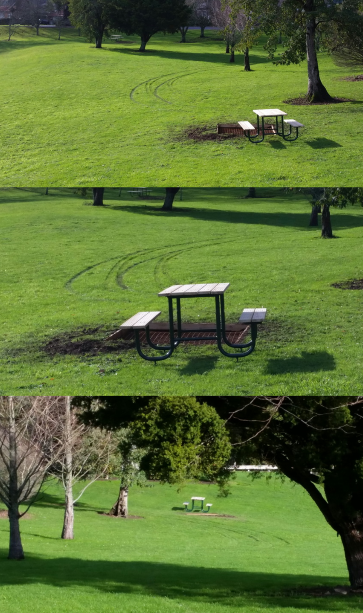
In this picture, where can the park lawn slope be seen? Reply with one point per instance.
(73, 273)
(76, 115)
(275, 544)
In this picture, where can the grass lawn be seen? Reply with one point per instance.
(276, 543)
(71, 269)
(75, 115)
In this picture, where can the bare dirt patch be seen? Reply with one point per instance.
(303, 101)
(326, 591)
(196, 514)
(358, 77)
(205, 133)
(351, 284)
(115, 517)
(84, 341)
(4, 515)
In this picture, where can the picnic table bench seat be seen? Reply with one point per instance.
(140, 320)
(246, 125)
(294, 123)
(253, 316)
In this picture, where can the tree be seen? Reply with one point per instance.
(131, 474)
(170, 194)
(147, 17)
(86, 453)
(317, 443)
(98, 193)
(201, 15)
(338, 197)
(31, 12)
(183, 439)
(92, 16)
(300, 21)
(28, 447)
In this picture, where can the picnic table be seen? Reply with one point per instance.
(140, 191)
(199, 499)
(261, 130)
(178, 334)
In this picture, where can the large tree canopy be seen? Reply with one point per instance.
(147, 17)
(300, 22)
(316, 442)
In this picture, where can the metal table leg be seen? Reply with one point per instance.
(219, 336)
(147, 357)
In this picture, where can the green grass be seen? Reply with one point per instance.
(169, 561)
(76, 115)
(66, 267)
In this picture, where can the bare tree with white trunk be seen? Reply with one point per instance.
(86, 455)
(28, 447)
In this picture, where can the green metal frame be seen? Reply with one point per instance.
(282, 133)
(178, 336)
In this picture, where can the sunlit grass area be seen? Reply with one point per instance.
(273, 544)
(72, 272)
(76, 115)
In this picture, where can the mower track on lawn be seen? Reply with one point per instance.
(151, 86)
(121, 265)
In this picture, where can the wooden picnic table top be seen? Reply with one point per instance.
(197, 498)
(269, 112)
(197, 289)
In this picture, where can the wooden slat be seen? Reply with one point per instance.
(246, 125)
(144, 321)
(183, 289)
(196, 288)
(294, 123)
(246, 316)
(259, 315)
(168, 290)
(207, 289)
(133, 320)
(220, 288)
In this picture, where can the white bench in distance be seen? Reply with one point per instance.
(255, 316)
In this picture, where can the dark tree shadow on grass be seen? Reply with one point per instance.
(323, 143)
(200, 365)
(173, 581)
(190, 56)
(295, 220)
(313, 361)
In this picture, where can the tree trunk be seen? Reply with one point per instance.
(315, 210)
(352, 539)
(15, 547)
(316, 90)
(120, 508)
(67, 532)
(227, 47)
(326, 230)
(99, 42)
(59, 33)
(46, 191)
(202, 28)
(144, 40)
(98, 196)
(171, 192)
(247, 60)
(183, 32)
(251, 192)
(231, 59)
(37, 29)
